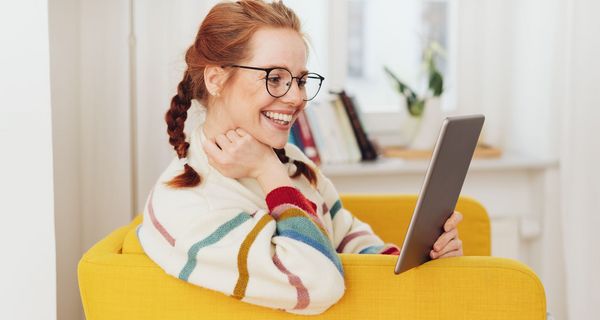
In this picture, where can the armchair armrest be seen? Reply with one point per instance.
(389, 215)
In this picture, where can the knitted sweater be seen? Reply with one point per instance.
(277, 250)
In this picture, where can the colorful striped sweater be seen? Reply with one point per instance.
(277, 250)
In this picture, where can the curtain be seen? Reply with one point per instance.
(580, 159)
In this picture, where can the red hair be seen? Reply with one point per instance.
(223, 39)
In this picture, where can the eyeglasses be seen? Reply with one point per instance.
(278, 81)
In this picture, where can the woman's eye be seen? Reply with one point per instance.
(274, 80)
(302, 83)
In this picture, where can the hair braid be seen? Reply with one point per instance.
(301, 167)
(175, 118)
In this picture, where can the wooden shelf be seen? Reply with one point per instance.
(482, 151)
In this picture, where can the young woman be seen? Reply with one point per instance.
(241, 211)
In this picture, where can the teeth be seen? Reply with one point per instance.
(279, 116)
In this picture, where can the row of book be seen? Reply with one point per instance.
(332, 132)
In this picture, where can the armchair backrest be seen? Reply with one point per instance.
(389, 216)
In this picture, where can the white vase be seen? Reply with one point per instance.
(429, 125)
(408, 129)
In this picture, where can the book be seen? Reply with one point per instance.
(318, 135)
(349, 139)
(295, 133)
(367, 150)
(292, 138)
(330, 128)
(305, 135)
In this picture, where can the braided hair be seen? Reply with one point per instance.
(301, 167)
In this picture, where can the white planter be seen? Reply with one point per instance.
(408, 129)
(428, 126)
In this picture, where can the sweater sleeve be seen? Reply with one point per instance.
(280, 258)
(349, 233)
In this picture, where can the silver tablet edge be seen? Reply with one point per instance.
(420, 198)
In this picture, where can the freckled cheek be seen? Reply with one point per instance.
(249, 114)
(252, 97)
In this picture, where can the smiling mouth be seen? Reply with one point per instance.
(278, 118)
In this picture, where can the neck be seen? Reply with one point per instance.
(216, 123)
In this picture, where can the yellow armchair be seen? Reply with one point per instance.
(118, 281)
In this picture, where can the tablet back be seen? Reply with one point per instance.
(443, 181)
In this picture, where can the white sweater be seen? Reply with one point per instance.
(277, 250)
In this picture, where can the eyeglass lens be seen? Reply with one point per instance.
(279, 82)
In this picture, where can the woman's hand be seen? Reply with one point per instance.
(448, 244)
(237, 154)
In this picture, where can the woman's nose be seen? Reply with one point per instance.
(295, 95)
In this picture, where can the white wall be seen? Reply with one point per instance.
(27, 271)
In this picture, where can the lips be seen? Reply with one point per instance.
(281, 121)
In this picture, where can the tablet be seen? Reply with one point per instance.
(443, 181)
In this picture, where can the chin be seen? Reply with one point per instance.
(278, 145)
(275, 143)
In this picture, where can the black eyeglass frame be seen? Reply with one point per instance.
(268, 70)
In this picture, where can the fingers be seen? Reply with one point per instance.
(211, 149)
(228, 139)
(455, 253)
(233, 136)
(223, 142)
(453, 221)
(241, 132)
(444, 239)
(454, 248)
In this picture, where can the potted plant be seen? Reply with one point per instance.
(423, 109)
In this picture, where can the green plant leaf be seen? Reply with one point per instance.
(436, 83)
(408, 93)
(402, 87)
(436, 80)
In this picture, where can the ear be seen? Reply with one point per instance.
(214, 78)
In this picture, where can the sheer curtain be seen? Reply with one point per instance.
(580, 159)
(164, 31)
(532, 67)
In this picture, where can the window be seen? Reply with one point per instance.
(393, 34)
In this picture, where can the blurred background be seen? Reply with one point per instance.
(87, 84)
